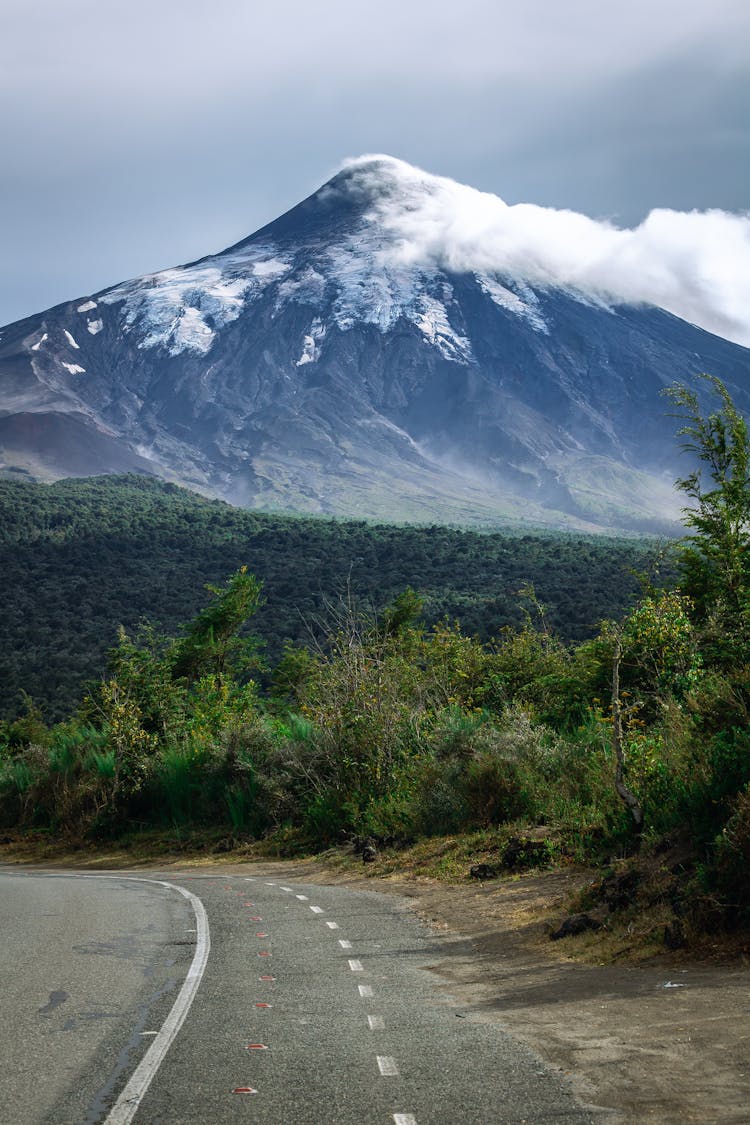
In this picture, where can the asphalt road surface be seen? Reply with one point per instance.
(165, 999)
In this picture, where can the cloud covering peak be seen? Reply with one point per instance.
(695, 264)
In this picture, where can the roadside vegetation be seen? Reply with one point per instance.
(386, 730)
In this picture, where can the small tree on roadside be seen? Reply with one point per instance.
(655, 664)
(715, 558)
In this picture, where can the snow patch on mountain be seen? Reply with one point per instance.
(70, 340)
(94, 326)
(307, 287)
(526, 306)
(311, 343)
(74, 368)
(180, 309)
(367, 294)
(431, 318)
(87, 306)
(371, 292)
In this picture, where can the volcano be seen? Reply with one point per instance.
(323, 366)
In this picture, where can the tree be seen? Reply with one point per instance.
(403, 613)
(654, 654)
(714, 558)
(142, 669)
(211, 645)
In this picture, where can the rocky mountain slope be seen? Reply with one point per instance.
(318, 366)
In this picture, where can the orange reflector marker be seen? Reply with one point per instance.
(262, 1004)
(244, 1090)
(256, 1047)
(261, 935)
(267, 978)
(264, 953)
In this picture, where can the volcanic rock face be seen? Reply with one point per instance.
(318, 366)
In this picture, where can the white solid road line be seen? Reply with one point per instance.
(124, 1109)
(302, 898)
(126, 1106)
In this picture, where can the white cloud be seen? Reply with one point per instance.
(694, 264)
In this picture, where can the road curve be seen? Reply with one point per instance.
(89, 967)
(315, 1009)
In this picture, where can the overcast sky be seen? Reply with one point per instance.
(138, 134)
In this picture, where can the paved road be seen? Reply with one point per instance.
(314, 1007)
(87, 966)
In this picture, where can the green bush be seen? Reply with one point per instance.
(731, 861)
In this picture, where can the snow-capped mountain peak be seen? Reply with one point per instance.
(696, 265)
(397, 345)
(379, 235)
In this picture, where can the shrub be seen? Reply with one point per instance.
(731, 862)
(177, 776)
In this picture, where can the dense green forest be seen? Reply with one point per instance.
(391, 727)
(82, 557)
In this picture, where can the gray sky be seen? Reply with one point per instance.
(139, 134)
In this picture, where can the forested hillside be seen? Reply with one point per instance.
(389, 729)
(80, 557)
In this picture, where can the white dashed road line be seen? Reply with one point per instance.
(386, 1063)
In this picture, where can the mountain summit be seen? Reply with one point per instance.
(397, 346)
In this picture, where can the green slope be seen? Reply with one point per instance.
(80, 557)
